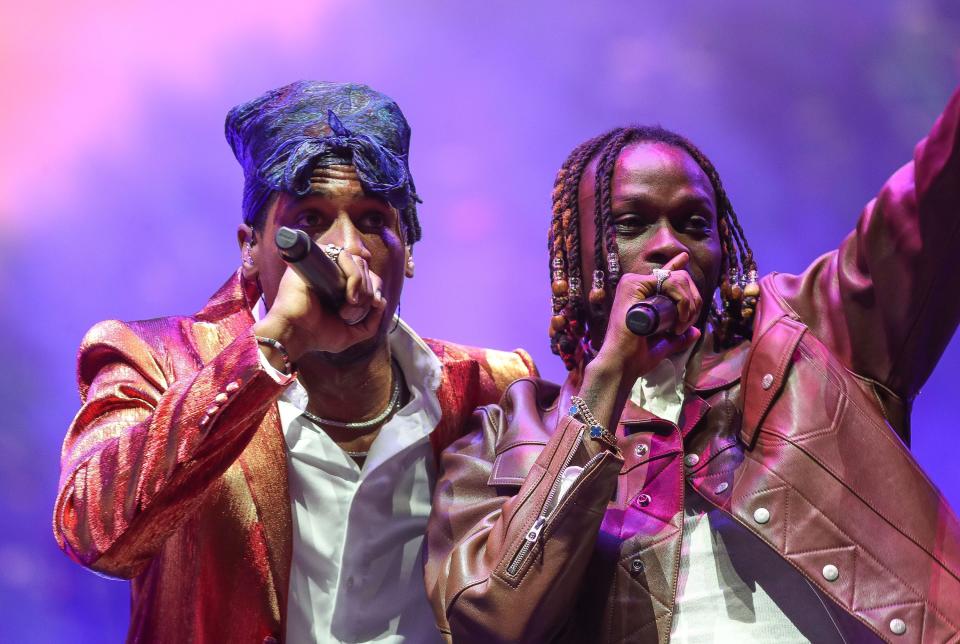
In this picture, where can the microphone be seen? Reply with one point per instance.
(314, 266)
(653, 315)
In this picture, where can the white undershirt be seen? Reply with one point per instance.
(356, 573)
(731, 587)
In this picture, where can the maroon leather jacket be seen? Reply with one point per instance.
(800, 436)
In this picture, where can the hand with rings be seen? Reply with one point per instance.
(333, 252)
(635, 355)
(662, 275)
(302, 323)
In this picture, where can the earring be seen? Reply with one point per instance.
(247, 260)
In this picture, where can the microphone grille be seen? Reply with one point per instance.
(286, 238)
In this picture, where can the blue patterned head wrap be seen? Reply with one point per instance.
(280, 137)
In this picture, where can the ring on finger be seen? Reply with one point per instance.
(357, 320)
(662, 274)
(333, 252)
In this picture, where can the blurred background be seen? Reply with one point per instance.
(119, 197)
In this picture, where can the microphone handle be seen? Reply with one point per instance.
(314, 266)
(653, 315)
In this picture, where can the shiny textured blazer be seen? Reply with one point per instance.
(174, 471)
(800, 436)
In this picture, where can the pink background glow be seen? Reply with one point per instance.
(119, 197)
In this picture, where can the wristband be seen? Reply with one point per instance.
(282, 350)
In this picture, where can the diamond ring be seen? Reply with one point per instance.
(661, 274)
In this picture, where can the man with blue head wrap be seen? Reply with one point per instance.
(262, 470)
(281, 136)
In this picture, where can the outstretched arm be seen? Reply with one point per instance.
(886, 301)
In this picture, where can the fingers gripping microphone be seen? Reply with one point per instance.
(314, 266)
(653, 315)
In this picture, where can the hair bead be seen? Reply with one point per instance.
(560, 287)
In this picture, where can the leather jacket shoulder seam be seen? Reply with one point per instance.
(874, 386)
(874, 382)
(536, 387)
(775, 290)
(880, 428)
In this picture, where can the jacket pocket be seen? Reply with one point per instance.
(514, 462)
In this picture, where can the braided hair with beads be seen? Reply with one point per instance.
(732, 316)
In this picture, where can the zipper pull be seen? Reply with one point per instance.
(534, 532)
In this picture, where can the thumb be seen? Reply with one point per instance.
(688, 339)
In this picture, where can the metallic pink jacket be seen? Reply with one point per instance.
(800, 437)
(174, 471)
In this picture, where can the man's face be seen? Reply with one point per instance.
(662, 204)
(336, 211)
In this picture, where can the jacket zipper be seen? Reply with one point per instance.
(676, 558)
(533, 534)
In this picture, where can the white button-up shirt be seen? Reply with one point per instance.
(731, 587)
(357, 571)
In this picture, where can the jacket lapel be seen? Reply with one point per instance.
(709, 370)
(264, 464)
(264, 461)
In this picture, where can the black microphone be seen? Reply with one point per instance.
(653, 315)
(314, 266)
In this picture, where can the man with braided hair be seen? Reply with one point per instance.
(262, 470)
(742, 476)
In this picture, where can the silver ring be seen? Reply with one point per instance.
(357, 320)
(333, 252)
(662, 275)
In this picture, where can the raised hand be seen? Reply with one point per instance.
(303, 324)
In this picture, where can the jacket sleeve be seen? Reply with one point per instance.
(504, 564)
(886, 301)
(142, 450)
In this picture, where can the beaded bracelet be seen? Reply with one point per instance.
(282, 350)
(578, 408)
